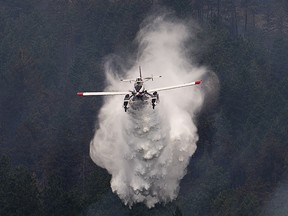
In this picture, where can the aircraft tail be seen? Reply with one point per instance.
(140, 72)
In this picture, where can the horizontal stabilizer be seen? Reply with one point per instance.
(151, 78)
(128, 80)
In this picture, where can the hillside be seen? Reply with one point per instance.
(52, 49)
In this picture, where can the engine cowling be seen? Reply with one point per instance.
(155, 99)
(126, 102)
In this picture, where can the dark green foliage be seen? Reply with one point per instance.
(279, 61)
(49, 50)
(59, 201)
(97, 184)
(236, 202)
(177, 212)
(19, 194)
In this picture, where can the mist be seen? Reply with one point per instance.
(147, 151)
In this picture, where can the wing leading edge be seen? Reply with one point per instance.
(175, 86)
(101, 93)
(150, 91)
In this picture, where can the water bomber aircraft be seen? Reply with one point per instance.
(139, 93)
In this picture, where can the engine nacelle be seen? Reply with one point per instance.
(155, 94)
(155, 99)
(126, 102)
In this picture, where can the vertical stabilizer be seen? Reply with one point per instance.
(140, 72)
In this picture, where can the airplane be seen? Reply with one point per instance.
(139, 93)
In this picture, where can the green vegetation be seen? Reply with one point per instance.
(51, 49)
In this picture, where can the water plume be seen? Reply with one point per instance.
(147, 151)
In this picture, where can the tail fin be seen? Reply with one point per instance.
(140, 71)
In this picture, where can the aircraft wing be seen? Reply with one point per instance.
(101, 93)
(175, 86)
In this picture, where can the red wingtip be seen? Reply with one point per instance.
(80, 93)
(198, 82)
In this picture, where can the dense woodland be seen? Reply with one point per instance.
(50, 49)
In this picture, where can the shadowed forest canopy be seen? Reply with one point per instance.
(50, 49)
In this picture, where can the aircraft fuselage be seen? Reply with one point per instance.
(140, 94)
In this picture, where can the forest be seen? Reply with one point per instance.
(50, 49)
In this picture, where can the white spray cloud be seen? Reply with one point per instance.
(147, 151)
